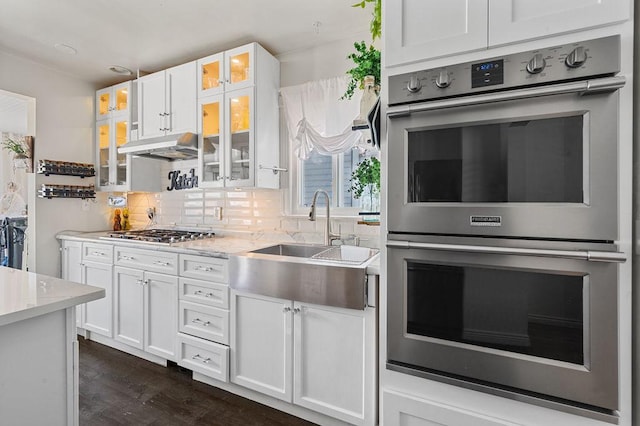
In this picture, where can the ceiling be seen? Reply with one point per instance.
(150, 35)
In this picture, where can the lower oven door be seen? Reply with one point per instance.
(542, 322)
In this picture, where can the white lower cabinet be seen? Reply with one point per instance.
(261, 335)
(402, 409)
(98, 314)
(318, 357)
(329, 361)
(71, 269)
(145, 311)
(208, 358)
(203, 322)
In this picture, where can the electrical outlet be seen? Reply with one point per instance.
(85, 205)
(217, 213)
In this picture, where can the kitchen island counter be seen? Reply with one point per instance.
(25, 295)
(39, 349)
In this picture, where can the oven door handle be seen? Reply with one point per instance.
(590, 255)
(608, 84)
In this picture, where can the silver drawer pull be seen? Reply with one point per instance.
(200, 358)
(204, 268)
(202, 293)
(160, 263)
(199, 321)
(97, 253)
(126, 257)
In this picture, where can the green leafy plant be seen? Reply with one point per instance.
(375, 27)
(367, 60)
(16, 147)
(366, 176)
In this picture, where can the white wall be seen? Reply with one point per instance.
(320, 62)
(64, 131)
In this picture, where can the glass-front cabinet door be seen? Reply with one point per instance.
(212, 143)
(112, 100)
(240, 67)
(211, 75)
(120, 138)
(112, 167)
(240, 136)
(103, 136)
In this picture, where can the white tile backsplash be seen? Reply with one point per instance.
(254, 210)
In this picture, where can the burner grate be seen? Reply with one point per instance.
(162, 236)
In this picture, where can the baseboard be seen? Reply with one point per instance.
(284, 406)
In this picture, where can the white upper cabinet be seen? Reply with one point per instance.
(416, 30)
(211, 75)
(114, 171)
(114, 100)
(225, 71)
(516, 20)
(238, 123)
(240, 66)
(167, 102)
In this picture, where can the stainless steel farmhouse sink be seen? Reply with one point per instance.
(295, 250)
(324, 275)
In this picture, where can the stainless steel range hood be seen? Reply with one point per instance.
(181, 146)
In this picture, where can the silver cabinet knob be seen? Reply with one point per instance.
(414, 84)
(576, 58)
(536, 64)
(443, 81)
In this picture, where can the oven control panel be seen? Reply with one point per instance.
(553, 64)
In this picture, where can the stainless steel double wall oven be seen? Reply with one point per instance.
(502, 222)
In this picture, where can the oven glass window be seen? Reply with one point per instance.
(531, 313)
(534, 161)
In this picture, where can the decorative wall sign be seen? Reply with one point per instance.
(184, 181)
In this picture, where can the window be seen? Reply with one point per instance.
(330, 173)
(319, 128)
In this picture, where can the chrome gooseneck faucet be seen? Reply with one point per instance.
(328, 236)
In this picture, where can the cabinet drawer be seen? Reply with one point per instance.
(204, 268)
(148, 260)
(94, 252)
(204, 292)
(204, 321)
(210, 359)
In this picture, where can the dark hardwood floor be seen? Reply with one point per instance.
(121, 389)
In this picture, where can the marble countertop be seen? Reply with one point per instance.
(25, 295)
(219, 246)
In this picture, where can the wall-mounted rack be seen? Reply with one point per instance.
(51, 167)
(66, 191)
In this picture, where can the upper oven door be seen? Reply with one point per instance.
(538, 162)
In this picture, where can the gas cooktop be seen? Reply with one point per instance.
(159, 236)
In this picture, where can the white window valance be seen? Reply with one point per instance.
(318, 120)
